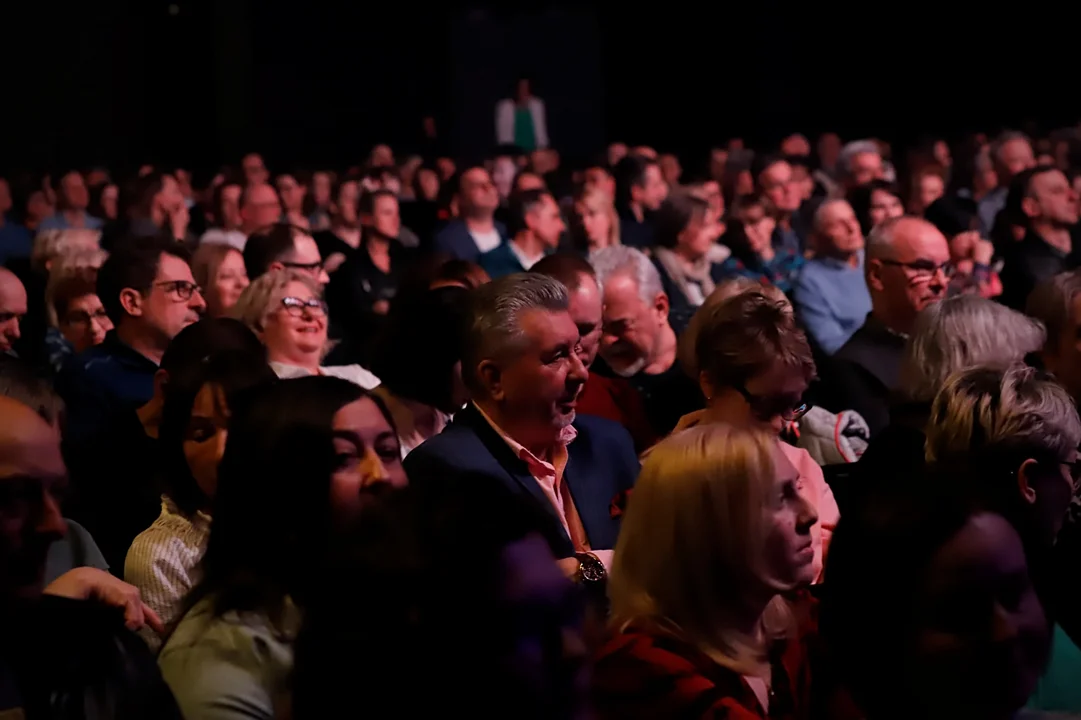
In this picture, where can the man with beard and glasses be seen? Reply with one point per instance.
(637, 339)
(522, 366)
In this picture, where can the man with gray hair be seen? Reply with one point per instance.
(522, 367)
(860, 163)
(907, 267)
(1011, 154)
(638, 341)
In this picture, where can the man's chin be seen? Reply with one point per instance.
(627, 370)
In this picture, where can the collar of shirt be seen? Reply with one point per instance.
(557, 453)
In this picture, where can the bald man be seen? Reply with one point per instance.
(12, 310)
(908, 268)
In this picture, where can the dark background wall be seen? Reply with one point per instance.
(319, 81)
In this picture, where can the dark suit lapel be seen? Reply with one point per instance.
(588, 497)
(515, 468)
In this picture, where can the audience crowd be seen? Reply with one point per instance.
(794, 437)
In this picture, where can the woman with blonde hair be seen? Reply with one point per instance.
(596, 223)
(716, 533)
(286, 311)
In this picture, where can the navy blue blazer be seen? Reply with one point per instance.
(454, 240)
(601, 468)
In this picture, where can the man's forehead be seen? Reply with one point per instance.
(549, 327)
(32, 451)
(920, 240)
(173, 268)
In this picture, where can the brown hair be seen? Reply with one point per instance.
(1051, 302)
(745, 335)
(67, 286)
(565, 267)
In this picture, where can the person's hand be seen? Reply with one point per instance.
(569, 566)
(983, 252)
(92, 584)
(178, 221)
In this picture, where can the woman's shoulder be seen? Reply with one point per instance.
(355, 374)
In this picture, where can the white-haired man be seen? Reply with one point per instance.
(637, 339)
(859, 164)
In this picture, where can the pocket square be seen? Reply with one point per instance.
(618, 506)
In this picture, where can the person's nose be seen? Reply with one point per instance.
(12, 330)
(197, 302)
(807, 517)
(50, 521)
(323, 277)
(1003, 627)
(372, 469)
(578, 371)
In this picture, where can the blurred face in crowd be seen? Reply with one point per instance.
(538, 389)
(261, 208)
(348, 195)
(980, 637)
(545, 222)
(829, 149)
(587, 313)
(13, 306)
(600, 179)
(110, 197)
(254, 169)
(788, 517)
(32, 480)
(777, 185)
(804, 183)
(865, 168)
(931, 188)
(1014, 157)
(697, 237)
(296, 324)
(228, 283)
(428, 180)
(758, 226)
(710, 191)
(385, 218)
(478, 192)
(837, 232)
(5, 196)
(73, 191)
(941, 151)
(171, 304)
(306, 259)
(205, 436)
(631, 332)
(230, 207)
(884, 205)
(503, 171)
(170, 199)
(85, 323)
(1051, 200)
(796, 145)
(616, 152)
(368, 454)
(653, 190)
(596, 219)
(914, 274)
(321, 189)
(671, 170)
(382, 156)
(292, 193)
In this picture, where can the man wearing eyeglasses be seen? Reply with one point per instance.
(908, 268)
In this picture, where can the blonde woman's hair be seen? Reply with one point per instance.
(75, 269)
(724, 291)
(598, 201)
(258, 299)
(962, 332)
(693, 536)
(52, 245)
(988, 409)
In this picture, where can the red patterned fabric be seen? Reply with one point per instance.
(641, 674)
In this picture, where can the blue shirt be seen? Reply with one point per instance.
(59, 222)
(831, 298)
(15, 241)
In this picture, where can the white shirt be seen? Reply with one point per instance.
(527, 261)
(353, 373)
(487, 241)
(163, 562)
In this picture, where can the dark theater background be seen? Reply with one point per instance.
(318, 81)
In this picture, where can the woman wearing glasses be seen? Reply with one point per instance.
(285, 308)
(754, 365)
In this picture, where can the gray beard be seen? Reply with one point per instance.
(630, 370)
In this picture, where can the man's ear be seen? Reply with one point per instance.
(1030, 207)
(874, 274)
(132, 301)
(706, 385)
(276, 265)
(1024, 480)
(491, 377)
(660, 304)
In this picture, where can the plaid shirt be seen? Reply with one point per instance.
(780, 272)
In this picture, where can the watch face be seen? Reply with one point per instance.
(592, 569)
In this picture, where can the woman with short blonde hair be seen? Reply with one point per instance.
(285, 309)
(53, 245)
(715, 532)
